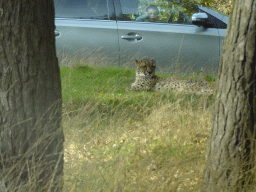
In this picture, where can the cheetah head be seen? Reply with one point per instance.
(145, 67)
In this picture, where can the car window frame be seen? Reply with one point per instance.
(119, 15)
(111, 13)
(218, 23)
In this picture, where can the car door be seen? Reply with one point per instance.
(86, 30)
(176, 44)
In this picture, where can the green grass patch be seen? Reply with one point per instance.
(81, 84)
(131, 141)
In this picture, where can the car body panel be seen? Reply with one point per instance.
(87, 37)
(222, 34)
(82, 31)
(175, 47)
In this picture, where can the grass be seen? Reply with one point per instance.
(131, 141)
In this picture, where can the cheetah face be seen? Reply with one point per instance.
(145, 67)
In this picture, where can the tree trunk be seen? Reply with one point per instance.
(31, 139)
(231, 148)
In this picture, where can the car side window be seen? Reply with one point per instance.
(82, 9)
(160, 11)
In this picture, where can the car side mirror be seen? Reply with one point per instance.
(199, 19)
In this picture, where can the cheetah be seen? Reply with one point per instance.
(146, 80)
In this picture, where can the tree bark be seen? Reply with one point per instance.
(31, 138)
(231, 148)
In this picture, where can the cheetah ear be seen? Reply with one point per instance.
(136, 61)
(153, 61)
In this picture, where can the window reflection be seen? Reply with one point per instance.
(161, 11)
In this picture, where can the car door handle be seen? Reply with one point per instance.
(57, 33)
(132, 37)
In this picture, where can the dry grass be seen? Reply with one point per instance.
(163, 151)
(135, 141)
(140, 141)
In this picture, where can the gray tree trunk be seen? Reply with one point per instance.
(231, 148)
(31, 139)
